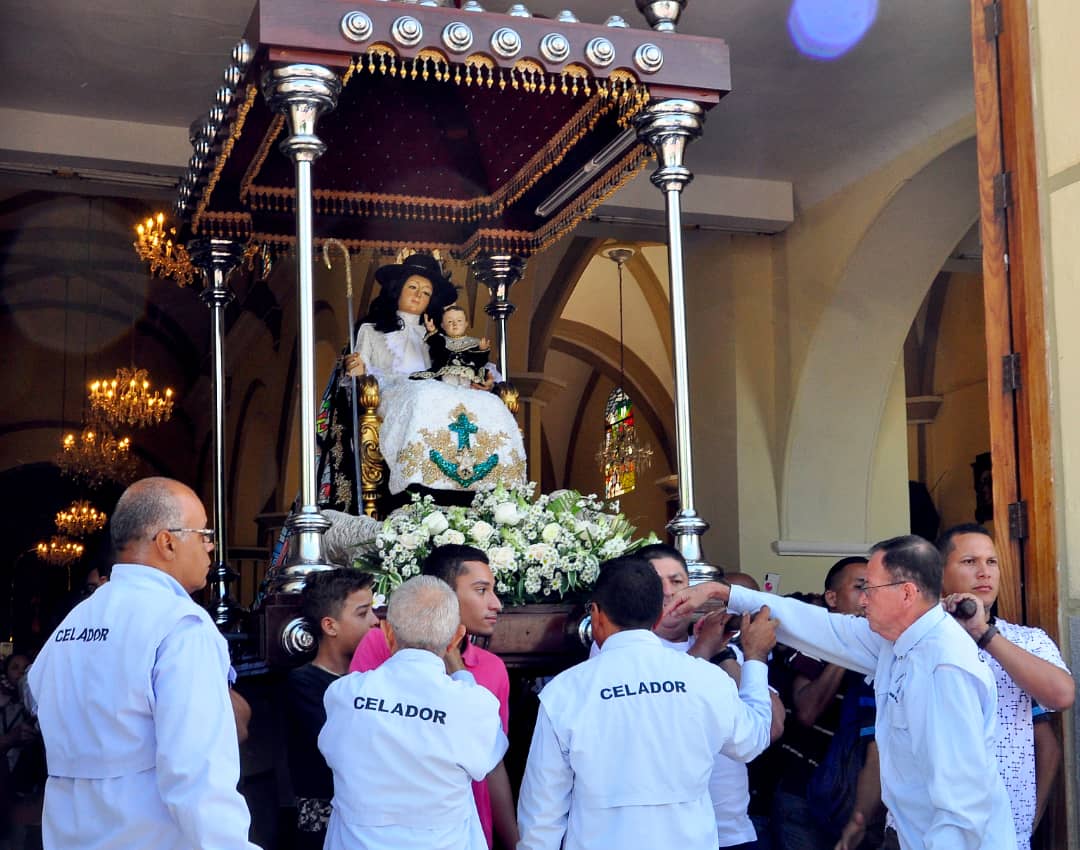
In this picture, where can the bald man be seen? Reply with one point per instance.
(132, 695)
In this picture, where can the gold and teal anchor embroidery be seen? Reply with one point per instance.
(466, 471)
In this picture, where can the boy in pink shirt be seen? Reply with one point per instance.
(466, 570)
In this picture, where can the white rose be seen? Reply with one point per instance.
(451, 536)
(410, 540)
(507, 514)
(481, 531)
(435, 523)
(551, 532)
(501, 557)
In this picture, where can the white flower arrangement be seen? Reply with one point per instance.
(540, 550)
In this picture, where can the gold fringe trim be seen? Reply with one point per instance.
(234, 133)
(263, 151)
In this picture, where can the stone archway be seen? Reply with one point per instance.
(828, 491)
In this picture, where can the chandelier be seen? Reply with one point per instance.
(128, 399)
(80, 520)
(155, 246)
(94, 456)
(621, 456)
(59, 551)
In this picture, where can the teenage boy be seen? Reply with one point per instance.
(337, 606)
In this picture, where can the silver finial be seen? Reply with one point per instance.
(223, 97)
(232, 76)
(356, 26)
(554, 47)
(567, 17)
(519, 10)
(505, 42)
(617, 21)
(662, 15)
(472, 6)
(600, 52)
(407, 31)
(649, 58)
(457, 37)
(242, 55)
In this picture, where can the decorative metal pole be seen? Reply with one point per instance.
(216, 258)
(498, 273)
(668, 126)
(302, 93)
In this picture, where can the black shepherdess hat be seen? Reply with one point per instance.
(425, 266)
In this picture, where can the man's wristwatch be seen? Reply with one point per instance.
(725, 654)
(987, 636)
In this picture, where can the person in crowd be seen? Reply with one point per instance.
(728, 786)
(466, 570)
(337, 605)
(829, 790)
(97, 576)
(1027, 666)
(405, 740)
(625, 742)
(132, 697)
(936, 700)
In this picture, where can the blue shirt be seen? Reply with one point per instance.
(936, 703)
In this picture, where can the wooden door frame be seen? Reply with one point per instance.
(1020, 425)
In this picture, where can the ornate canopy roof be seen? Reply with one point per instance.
(456, 129)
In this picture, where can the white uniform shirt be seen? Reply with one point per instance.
(405, 742)
(625, 744)
(140, 737)
(729, 785)
(936, 704)
(1015, 735)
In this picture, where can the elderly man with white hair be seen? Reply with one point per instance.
(405, 740)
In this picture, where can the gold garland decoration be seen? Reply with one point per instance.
(234, 133)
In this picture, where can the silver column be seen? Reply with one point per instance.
(216, 258)
(302, 93)
(668, 126)
(498, 273)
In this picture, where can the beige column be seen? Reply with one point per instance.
(535, 390)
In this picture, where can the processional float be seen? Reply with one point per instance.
(487, 136)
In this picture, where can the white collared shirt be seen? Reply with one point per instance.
(936, 705)
(399, 352)
(729, 785)
(133, 703)
(1015, 732)
(405, 742)
(624, 747)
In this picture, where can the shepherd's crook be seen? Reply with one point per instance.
(352, 350)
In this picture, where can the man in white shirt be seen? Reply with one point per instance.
(625, 742)
(936, 699)
(132, 695)
(729, 785)
(405, 741)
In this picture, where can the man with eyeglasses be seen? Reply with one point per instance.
(936, 700)
(132, 699)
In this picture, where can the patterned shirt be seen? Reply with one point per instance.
(1015, 744)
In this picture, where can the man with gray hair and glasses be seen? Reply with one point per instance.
(936, 700)
(132, 698)
(405, 741)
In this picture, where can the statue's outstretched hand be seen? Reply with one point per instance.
(484, 345)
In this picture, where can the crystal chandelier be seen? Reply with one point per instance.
(621, 456)
(166, 258)
(80, 520)
(94, 456)
(59, 551)
(128, 399)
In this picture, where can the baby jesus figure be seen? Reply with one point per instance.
(456, 359)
